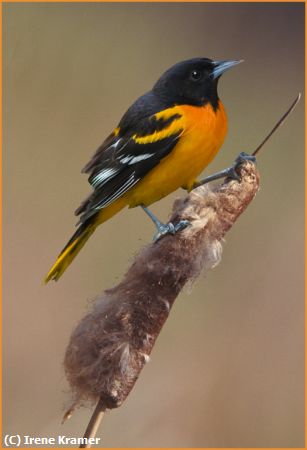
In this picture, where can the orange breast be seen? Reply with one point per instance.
(204, 133)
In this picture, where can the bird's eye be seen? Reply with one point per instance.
(195, 75)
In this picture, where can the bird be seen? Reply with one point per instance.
(163, 142)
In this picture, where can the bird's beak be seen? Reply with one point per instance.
(221, 66)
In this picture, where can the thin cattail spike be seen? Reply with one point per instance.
(280, 122)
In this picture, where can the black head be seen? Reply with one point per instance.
(192, 82)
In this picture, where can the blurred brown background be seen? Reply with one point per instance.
(228, 368)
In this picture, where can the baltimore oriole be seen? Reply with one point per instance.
(163, 142)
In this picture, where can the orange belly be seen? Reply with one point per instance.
(204, 133)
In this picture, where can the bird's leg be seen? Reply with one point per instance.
(164, 229)
(230, 172)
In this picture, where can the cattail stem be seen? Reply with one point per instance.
(93, 425)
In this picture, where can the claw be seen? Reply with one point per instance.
(170, 228)
(244, 157)
(233, 170)
(182, 225)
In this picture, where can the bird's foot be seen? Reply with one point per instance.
(230, 173)
(240, 159)
(170, 228)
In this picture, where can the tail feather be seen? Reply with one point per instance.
(70, 251)
(85, 230)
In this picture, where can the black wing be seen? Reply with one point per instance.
(127, 156)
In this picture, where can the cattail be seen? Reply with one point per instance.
(111, 344)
